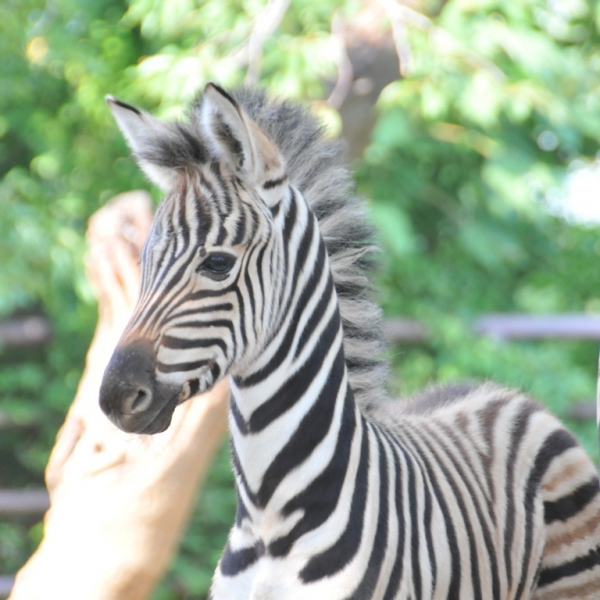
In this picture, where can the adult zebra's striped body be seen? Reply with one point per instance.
(256, 269)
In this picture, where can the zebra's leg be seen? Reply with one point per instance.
(570, 566)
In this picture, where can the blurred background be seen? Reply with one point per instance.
(473, 127)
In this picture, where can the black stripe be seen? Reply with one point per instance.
(223, 93)
(249, 288)
(487, 417)
(223, 187)
(224, 306)
(428, 518)
(126, 106)
(310, 432)
(208, 325)
(574, 567)
(261, 284)
(242, 314)
(474, 557)
(568, 506)
(315, 318)
(221, 235)
(240, 422)
(395, 577)
(240, 229)
(176, 343)
(415, 523)
(320, 498)
(275, 209)
(286, 343)
(181, 367)
(462, 473)
(438, 490)
(336, 557)
(234, 562)
(295, 387)
(271, 183)
(519, 427)
(556, 444)
(181, 226)
(371, 576)
(202, 294)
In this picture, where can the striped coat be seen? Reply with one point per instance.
(257, 269)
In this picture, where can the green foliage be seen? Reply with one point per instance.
(499, 100)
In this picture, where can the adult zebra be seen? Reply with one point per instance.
(257, 269)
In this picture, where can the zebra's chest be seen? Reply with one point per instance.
(271, 579)
(267, 579)
(283, 578)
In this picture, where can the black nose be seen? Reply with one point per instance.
(127, 389)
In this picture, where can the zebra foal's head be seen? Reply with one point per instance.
(211, 268)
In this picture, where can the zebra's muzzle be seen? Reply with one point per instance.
(130, 395)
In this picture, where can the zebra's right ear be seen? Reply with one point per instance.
(141, 132)
(242, 144)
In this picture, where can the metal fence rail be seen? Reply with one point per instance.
(19, 502)
(507, 327)
(6, 585)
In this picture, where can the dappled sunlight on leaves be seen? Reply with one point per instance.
(499, 103)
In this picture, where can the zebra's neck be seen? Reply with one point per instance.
(292, 416)
(296, 457)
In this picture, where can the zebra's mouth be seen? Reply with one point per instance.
(200, 384)
(163, 418)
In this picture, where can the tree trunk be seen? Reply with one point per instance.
(118, 501)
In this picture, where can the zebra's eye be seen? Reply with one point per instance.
(217, 264)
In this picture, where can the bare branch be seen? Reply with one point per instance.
(398, 21)
(401, 15)
(265, 25)
(345, 77)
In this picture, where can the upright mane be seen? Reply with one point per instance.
(316, 167)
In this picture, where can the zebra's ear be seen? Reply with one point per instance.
(240, 142)
(141, 132)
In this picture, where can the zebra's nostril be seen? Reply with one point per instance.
(138, 402)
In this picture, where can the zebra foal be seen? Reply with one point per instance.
(257, 269)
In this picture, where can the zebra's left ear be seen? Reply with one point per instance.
(240, 142)
(141, 131)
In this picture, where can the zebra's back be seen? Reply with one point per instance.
(513, 500)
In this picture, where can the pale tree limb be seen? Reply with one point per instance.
(401, 16)
(265, 25)
(118, 502)
(345, 77)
